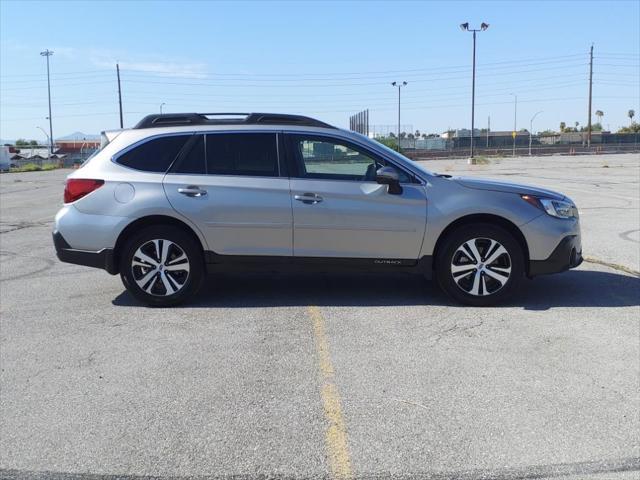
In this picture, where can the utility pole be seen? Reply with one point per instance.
(488, 129)
(590, 96)
(473, 96)
(515, 122)
(47, 53)
(399, 85)
(465, 27)
(119, 95)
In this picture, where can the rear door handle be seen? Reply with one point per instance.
(308, 198)
(192, 191)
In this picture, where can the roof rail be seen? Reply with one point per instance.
(184, 119)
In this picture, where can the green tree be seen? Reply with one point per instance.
(33, 143)
(389, 141)
(633, 128)
(562, 126)
(599, 114)
(631, 114)
(21, 142)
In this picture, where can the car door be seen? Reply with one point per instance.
(230, 185)
(339, 210)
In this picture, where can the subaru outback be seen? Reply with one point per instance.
(182, 195)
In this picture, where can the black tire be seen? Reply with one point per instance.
(481, 235)
(159, 294)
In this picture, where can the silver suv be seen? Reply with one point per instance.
(180, 195)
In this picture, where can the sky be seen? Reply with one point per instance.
(327, 60)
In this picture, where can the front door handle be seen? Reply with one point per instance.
(308, 198)
(192, 191)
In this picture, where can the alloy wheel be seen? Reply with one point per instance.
(160, 267)
(481, 266)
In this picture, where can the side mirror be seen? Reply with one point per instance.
(389, 176)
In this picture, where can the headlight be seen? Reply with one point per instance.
(555, 208)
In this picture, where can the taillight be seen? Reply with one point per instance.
(76, 188)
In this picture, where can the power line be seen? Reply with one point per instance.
(60, 84)
(452, 91)
(505, 63)
(389, 108)
(303, 78)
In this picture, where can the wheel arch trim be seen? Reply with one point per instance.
(151, 220)
(486, 218)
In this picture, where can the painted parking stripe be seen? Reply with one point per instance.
(336, 441)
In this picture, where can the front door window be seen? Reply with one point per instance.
(333, 159)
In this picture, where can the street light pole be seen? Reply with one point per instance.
(531, 129)
(399, 85)
(161, 107)
(465, 27)
(45, 134)
(515, 122)
(47, 53)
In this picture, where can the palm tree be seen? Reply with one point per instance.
(599, 114)
(631, 114)
(562, 126)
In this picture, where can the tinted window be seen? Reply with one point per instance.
(154, 155)
(252, 154)
(320, 157)
(193, 160)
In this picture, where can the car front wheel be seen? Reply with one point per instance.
(480, 265)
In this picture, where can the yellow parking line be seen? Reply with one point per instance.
(336, 434)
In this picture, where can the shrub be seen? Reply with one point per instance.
(30, 167)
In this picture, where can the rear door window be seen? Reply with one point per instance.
(155, 155)
(248, 154)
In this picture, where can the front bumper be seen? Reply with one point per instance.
(568, 254)
(101, 259)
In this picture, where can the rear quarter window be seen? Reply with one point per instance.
(155, 155)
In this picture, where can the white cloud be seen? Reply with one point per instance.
(160, 67)
(105, 58)
(67, 52)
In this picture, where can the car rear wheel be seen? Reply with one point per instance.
(480, 265)
(162, 266)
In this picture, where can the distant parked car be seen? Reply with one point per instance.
(5, 159)
(181, 194)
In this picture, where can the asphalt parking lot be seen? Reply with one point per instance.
(343, 376)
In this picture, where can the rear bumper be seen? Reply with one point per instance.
(102, 259)
(568, 254)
